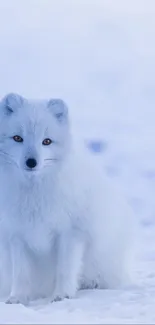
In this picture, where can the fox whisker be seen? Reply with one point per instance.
(51, 159)
(7, 157)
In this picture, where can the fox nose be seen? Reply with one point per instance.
(31, 163)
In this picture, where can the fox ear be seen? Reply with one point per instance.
(11, 102)
(59, 109)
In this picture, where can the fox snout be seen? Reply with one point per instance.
(31, 163)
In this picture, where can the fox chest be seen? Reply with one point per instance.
(39, 226)
(35, 216)
(32, 221)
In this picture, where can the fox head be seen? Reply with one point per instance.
(34, 135)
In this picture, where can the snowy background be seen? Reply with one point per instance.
(99, 56)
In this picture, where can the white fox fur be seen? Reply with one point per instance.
(62, 225)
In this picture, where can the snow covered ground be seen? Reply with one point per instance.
(99, 56)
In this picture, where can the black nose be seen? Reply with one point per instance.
(31, 163)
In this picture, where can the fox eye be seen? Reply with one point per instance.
(17, 138)
(46, 142)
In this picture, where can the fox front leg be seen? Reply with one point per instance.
(69, 253)
(20, 273)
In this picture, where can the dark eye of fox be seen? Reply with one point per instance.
(46, 142)
(17, 138)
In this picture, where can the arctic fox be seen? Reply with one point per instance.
(63, 227)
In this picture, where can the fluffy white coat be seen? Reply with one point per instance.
(62, 225)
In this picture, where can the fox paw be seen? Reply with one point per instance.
(60, 297)
(17, 300)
